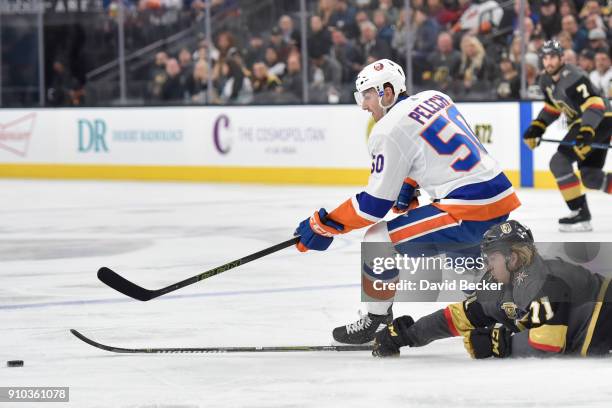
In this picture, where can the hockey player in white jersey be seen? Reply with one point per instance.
(420, 141)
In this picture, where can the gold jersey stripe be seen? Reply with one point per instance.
(589, 336)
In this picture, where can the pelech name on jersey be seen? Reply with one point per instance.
(429, 107)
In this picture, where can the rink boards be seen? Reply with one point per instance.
(264, 144)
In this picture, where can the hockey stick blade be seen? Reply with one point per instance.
(173, 350)
(566, 143)
(120, 284)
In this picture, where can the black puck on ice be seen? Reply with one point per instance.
(15, 363)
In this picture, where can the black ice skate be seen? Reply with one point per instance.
(578, 220)
(363, 330)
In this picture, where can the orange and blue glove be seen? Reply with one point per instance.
(407, 198)
(317, 232)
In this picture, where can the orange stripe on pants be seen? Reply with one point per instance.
(368, 287)
(421, 227)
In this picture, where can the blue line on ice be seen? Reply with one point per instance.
(194, 295)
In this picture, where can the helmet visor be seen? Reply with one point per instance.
(367, 95)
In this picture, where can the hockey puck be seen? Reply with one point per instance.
(15, 363)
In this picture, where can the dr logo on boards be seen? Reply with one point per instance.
(91, 136)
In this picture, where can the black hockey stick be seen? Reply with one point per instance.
(170, 350)
(565, 143)
(120, 284)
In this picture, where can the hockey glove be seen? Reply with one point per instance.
(583, 141)
(485, 342)
(317, 232)
(407, 198)
(389, 340)
(533, 134)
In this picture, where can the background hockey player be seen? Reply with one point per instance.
(568, 90)
(421, 140)
(545, 307)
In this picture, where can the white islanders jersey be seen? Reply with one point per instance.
(425, 140)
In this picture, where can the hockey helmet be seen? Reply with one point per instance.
(376, 75)
(551, 47)
(502, 236)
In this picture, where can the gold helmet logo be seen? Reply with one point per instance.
(510, 309)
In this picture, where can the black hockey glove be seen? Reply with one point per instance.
(583, 141)
(390, 339)
(533, 134)
(486, 342)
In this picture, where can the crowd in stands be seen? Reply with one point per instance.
(469, 49)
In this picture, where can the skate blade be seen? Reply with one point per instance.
(584, 226)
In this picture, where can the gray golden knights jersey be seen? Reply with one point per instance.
(552, 307)
(573, 95)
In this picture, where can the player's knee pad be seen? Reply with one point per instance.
(377, 233)
(592, 177)
(560, 165)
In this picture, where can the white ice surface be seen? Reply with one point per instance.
(55, 235)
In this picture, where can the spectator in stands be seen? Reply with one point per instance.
(361, 17)
(348, 56)
(255, 51)
(225, 42)
(531, 72)
(370, 45)
(319, 40)
(325, 10)
(275, 66)
(344, 19)
(442, 12)
(263, 81)
(282, 48)
(383, 28)
(550, 19)
(536, 42)
(565, 40)
(601, 76)
(567, 8)
(515, 50)
(578, 36)
(598, 39)
(185, 61)
(443, 63)
(232, 84)
(479, 17)
(591, 7)
(476, 70)
(326, 72)
(202, 52)
(509, 84)
(158, 74)
(197, 83)
(592, 21)
(530, 28)
(425, 33)
(292, 82)
(76, 93)
(290, 35)
(569, 56)
(586, 60)
(390, 9)
(59, 86)
(173, 89)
